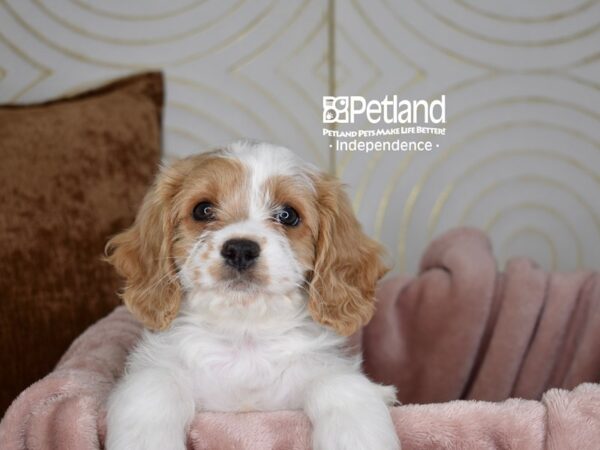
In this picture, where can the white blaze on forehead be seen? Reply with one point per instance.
(263, 162)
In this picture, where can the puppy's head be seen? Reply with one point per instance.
(245, 226)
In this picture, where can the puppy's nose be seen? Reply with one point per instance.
(240, 253)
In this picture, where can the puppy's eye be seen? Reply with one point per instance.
(203, 211)
(287, 216)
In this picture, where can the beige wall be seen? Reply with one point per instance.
(522, 154)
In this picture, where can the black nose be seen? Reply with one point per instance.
(240, 253)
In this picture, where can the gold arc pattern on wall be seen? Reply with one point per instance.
(77, 55)
(468, 60)
(44, 71)
(331, 23)
(201, 87)
(512, 43)
(137, 42)
(447, 191)
(541, 19)
(236, 70)
(373, 163)
(138, 17)
(533, 231)
(528, 206)
(385, 197)
(445, 194)
(418, 187)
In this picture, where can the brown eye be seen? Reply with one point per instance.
(203, 212)
(287, 216)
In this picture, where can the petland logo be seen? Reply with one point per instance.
(389, 110)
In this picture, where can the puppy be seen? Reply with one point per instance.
(250, 269)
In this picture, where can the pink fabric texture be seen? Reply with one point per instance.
(481, 360)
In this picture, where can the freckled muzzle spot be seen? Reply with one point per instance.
(197, 275)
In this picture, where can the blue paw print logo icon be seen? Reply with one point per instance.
(335, 109)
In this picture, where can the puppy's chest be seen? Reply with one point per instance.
(247, 373)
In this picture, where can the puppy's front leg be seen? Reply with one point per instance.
(150, 409)
(349, 412)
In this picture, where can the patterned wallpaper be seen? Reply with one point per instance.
(521, 158)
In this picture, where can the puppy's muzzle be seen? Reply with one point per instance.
(240, 253)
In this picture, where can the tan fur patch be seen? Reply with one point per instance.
(147, 253)
(220, 181)
(216, 271)
(197, 275)
(347, 263)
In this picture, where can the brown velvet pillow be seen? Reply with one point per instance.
(72, 173)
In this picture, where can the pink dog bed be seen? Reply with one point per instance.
(481, 360)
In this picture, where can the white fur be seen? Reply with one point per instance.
(226, 354)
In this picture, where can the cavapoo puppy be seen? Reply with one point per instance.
(248, 269)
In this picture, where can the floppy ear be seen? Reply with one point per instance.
(142, 254)
(347, 264)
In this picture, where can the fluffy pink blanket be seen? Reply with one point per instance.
(458, 332)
